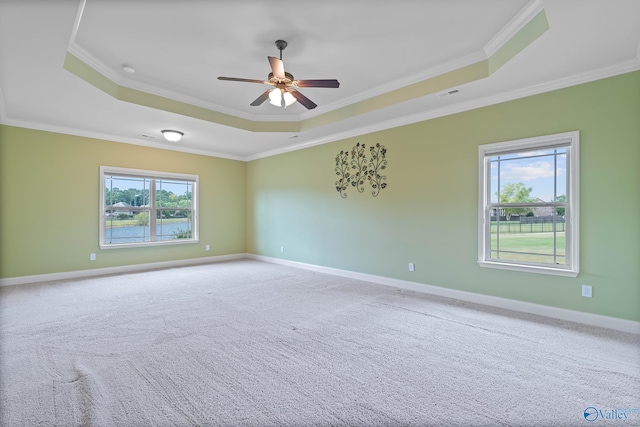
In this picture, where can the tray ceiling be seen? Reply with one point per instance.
(61, 64)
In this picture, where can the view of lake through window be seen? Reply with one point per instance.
(141, 209)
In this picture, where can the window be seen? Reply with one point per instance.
(528, 204)
(140, 208)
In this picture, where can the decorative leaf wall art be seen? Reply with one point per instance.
(377, 162)
(355, 170)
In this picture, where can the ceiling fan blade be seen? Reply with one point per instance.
(317, 83)
(235, 79)
(309, 104)
(259, 100)
(277, 67)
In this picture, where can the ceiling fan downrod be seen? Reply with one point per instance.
(281, 45)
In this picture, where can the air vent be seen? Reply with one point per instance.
(453, 91)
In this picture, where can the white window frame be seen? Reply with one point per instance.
(570, 140)
(153, 175)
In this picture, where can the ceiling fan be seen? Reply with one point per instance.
(286, 87)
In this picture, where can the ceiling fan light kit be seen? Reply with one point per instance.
(285, 90)
(277, 96)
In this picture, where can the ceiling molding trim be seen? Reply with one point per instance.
(509, 31)
(577, 79)
(118, 80)
(394, 85)
(512, 39)
(456, 78)
(113, 138)
(90, 75)
(517, 23)
(529, 26)
(93, 62)
(602, 73)
(123, 82)
(587, 77)
(100, 81)
(534, 28)
(81, 55)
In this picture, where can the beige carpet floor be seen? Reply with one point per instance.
(250, 343)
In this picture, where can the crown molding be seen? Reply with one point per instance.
(46, 127)
(83, 55)
(518, 93)
(400, 83)
(523, 92)
(90, 60)
(516, 24)
(512, 27)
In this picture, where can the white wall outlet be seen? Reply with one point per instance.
(92, 257)
(207, 248)
(412, 267)
(587, 291)
(281, 249)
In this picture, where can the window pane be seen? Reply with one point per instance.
(121, 227)
(534, 176)
(126, 191)
(537, 240)
(174, 224)
(174, 194)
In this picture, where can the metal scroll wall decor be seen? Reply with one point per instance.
(355, 169)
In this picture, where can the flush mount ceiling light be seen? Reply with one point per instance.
(128, 68)
(172, 135)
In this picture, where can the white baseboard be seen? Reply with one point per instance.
(117, 270)
(591, 319)
(522, 306)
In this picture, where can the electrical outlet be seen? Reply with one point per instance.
(92, 257)
(207, 248)
(281, 249)
(587, 291)
(412, 267)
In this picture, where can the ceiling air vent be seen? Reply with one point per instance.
(453, 91)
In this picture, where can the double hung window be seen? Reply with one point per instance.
(528, 204)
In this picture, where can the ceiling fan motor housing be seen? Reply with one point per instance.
(288, 79)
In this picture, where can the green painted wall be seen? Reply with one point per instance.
(427, 215)
(428, 212)
(49, 202)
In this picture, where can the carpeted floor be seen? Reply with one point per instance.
(250, 343)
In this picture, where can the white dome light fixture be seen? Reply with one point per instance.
(276, 95)
(128, 68)
(172, 135)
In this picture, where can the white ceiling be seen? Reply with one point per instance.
(373, 47)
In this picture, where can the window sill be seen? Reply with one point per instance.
(147, 244)
(529, 268)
